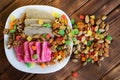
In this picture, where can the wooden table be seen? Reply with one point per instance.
(110, 69)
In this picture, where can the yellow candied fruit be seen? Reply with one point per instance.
(101, 36)
(85, 42)
(32, 64)
(96, 53)
(12, 18)
(29, 38)
(93, 17)
(89, 32)
(40, 21)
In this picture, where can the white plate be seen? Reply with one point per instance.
(11, 54)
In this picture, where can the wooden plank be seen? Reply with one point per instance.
(113, 75)
(114, 14)
(107, 8)
(11, 74)
(71, 66)
(4, 4)
(3, 60)
(68, 6)
(1, 31)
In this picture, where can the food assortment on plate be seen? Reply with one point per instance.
(91, 43)
(39, 37)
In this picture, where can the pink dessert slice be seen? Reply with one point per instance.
(19, 50)
(32, 52)
(38, 51)
(27, 55)
(46, 53)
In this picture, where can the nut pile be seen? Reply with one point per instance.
(60, 44)
(91, 43)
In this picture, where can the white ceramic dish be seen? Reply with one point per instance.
(11, 54)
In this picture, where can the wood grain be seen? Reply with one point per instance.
(115, 71)
(68, 6)
(5, 3)
(110, 66)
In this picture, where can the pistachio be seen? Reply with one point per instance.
(102, 25)
(101, 30)
(107, 27)
(86, 19)
(101, 58)
(98, 22)
(84, 63)
(96, 28)
(74, 60)
(100, 41)
(104, 17)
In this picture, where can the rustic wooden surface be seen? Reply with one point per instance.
(110, 69)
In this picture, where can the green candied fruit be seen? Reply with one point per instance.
(15, 27)
(34, 56)
(74, 39)
(75, 26)
(72, 21)
(59, 48)
(88, 60)
(89, 43)
(12, 31)
(75, 31)
(44, 35)
(28, 65)
(47, 25)
(67, 42)
(109, 37)
(61, 32)
(98, 32)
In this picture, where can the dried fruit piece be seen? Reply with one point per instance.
(109, 38)
(6, 31)
(74, 74)
(81, 17)
(61, 32)
(72, 21)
